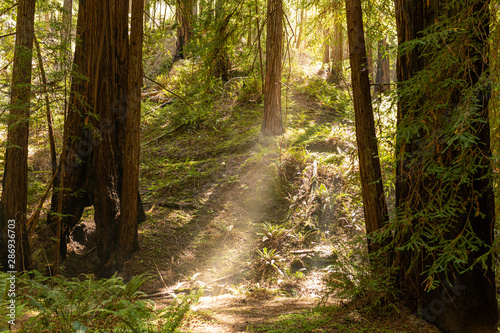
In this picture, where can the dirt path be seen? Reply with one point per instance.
(229, 314)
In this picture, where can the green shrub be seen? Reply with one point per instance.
(59, 304)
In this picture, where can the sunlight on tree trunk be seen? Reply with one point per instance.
(272, 123)
(374, 204)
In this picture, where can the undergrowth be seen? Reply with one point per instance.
(59, 304)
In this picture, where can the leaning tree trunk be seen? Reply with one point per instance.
(96, 127)
(14, 246)
(273, 123)
(444, 195)
(374, 204)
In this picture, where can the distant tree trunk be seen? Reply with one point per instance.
(96, 125)
(303, 14)
(220, 59)
(272, 123)
(369, 59)
(66, 34)
(15, 179)
(250, 27)
(184, 16)
(336, 71)
(66, 20)
(383, 79)
(444, 194)
(128, 241)
(261, 63)
(147, 18)
(52, 144)
(374, 204)
(326, 46)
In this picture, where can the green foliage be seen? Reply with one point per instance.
(267, 263)
(108, 305)
(273, 235)
(319, 319)
(298, 322)
(328, 95)
(443, 150)
(353, 277)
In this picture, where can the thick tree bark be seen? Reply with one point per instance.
(15, 180)
(374, 204)
(465, 300)
(272, 123)
(93, 169)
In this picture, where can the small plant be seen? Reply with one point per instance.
(267, 262)
(273, 236)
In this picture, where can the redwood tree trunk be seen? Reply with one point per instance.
(273, 124)
(444, 193)
(96, 127)
(128, 241)
(15, 180)
(374, 204)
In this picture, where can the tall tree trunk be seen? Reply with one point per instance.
(444, 195)
(259, 44)
(326, 46)
(52, 144)
(220, 63)
(303, 15)
(273, 123)
(128, 237)
(383, 68)
(336, 71)
(250, 27)
(369, 59)
(66, 34)
(15, 179)
(374, 204)
(184, 16)
(67, 15)
(96, 125)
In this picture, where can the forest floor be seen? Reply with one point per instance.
(257, 223)
(247, 219)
